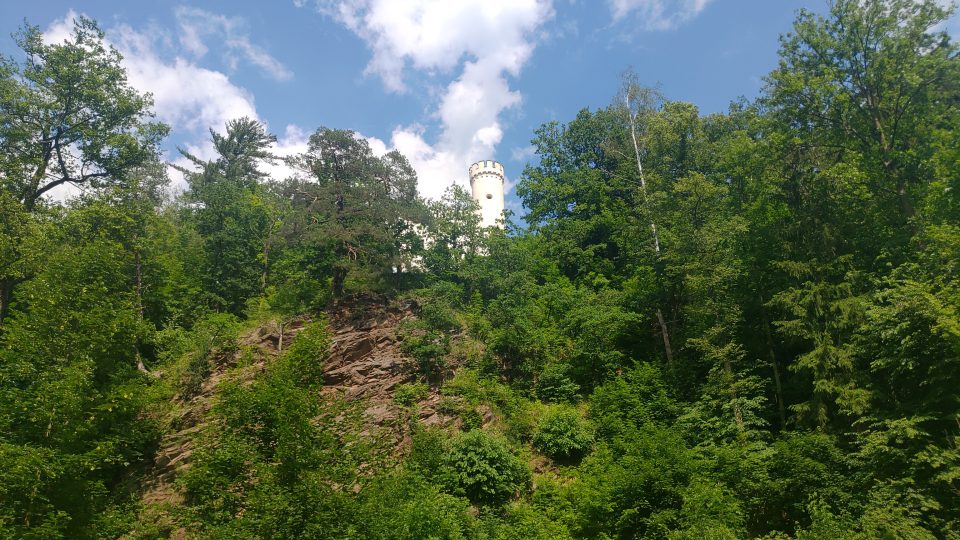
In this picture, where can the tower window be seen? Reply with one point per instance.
(489, 195)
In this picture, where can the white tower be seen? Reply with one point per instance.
(486, 183)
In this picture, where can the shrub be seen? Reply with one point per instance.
(449, 406)
(427, 339)
(212, 335)
(428, 452)
(470, 418)
(521, 521)
(626, 403)
(306, 355)
(410, 393)
(428, 348)
(563, 435)
(481, 467)
(507, 404)
(404, 506)
(439, 315)
(520, 423)
(554, 384)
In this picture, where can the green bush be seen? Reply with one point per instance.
(409, 393)
(624, 404)
(481, 467)
(428, 452)
(554, 384)
(522, 521)
(428, 348)
(449, 406)
(440, 315)
(563, 435)
(266, 466)
(401, 506)
(306, 355)
(212, 335)
(470, 418)
(508, 405)
(428, 339)
(633, 487)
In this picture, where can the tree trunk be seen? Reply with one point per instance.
(138, 284)
(666, 337)
(339, 276)
(906, 204)
(737, 412)
(138, 281)
(141, 367)
(280, 339)
(265, 271)
(664, 331)
(6, 293)
(781, 409)
(643, 182)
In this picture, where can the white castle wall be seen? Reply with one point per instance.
(486, 183)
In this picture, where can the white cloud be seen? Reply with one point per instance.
(479, 42)
(61, 29)
(657, 14)
(293, 141)
(523, 153)
(186, 96)
(475, 46)
(378, 147)
(197, 24)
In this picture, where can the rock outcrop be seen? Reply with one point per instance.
(366, 363)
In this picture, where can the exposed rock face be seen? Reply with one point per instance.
(366, 360)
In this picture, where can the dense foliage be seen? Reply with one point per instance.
(738, 325)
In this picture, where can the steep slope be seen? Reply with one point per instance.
(366, 364)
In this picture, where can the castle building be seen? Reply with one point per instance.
(486, 185)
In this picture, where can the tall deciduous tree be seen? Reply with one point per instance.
(68, 116)
(638, 103)
(869, 86)
(456, 236)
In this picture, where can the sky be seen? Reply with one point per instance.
(446, 82)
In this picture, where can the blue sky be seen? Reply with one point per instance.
(447, 82)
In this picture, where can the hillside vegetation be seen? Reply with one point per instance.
(737, 325)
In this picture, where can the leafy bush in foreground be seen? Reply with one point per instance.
(563, 435)
(481, 467)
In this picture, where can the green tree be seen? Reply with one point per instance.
(74, 415)
(455, 235)
(16, 224)
(360, 207)
(67, 116)
(867, 86)
(230, 211)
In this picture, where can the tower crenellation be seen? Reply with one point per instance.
(487, 187)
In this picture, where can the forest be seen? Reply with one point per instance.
(736, 325)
